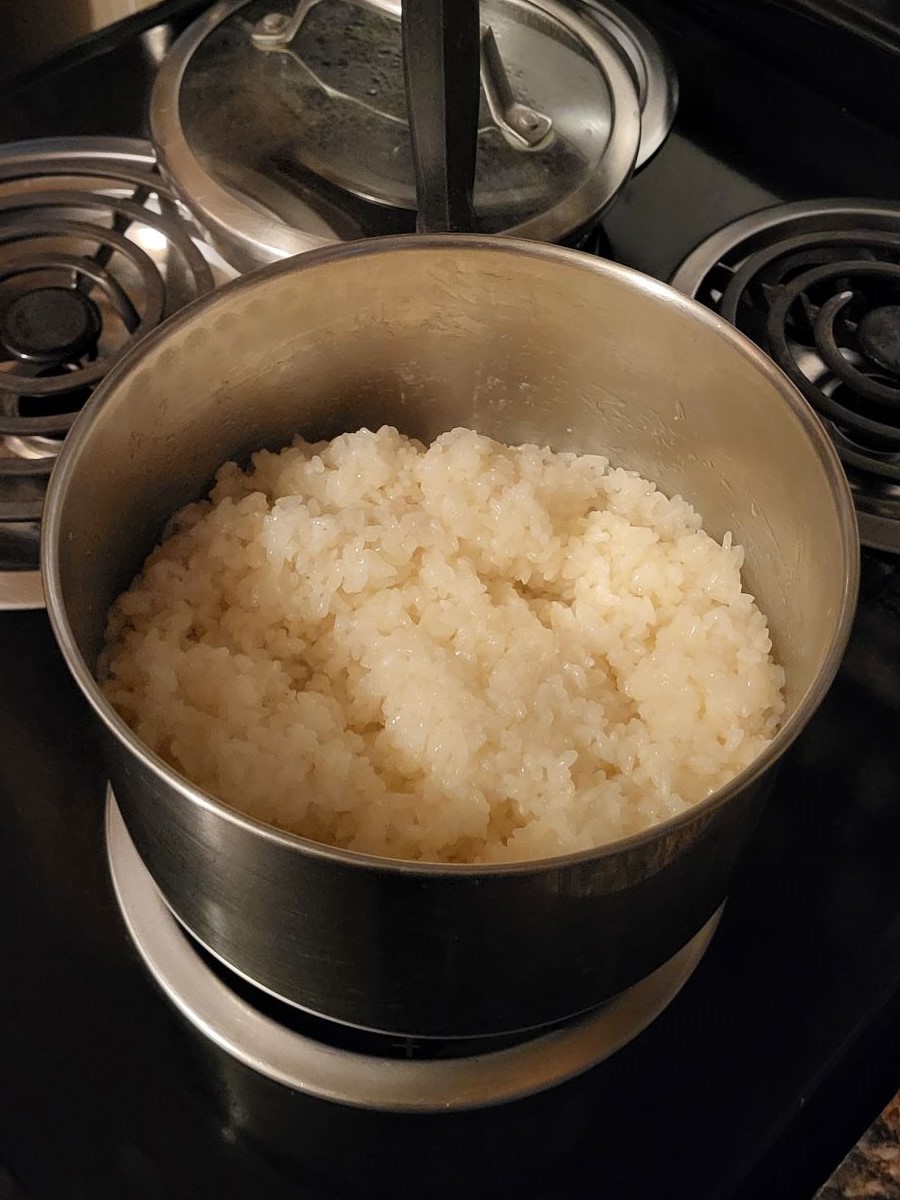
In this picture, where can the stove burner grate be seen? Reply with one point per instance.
(110, 293)
(95, 251)
(817, 286)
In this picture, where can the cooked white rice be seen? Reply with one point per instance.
(466, 653)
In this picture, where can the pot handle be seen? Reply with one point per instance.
(441, 56)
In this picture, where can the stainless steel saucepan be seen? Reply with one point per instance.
(526, 343)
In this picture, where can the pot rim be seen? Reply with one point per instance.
(820, 443)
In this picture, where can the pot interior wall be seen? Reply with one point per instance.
(523, 344)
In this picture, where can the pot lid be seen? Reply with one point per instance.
(288, 129)
(651, 68)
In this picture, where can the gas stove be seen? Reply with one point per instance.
(127, 1068)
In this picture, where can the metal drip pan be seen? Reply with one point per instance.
(363, 1080)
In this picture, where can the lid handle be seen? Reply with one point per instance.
(523, 127)
(441, 56)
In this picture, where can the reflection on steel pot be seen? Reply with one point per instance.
(522, 342)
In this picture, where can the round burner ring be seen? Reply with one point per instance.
(847, 216)
(739, 271)
(15, 228)
(828, 349)
(362, 1080)
(93, 218)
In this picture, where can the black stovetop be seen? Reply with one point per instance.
(781, 1048)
